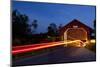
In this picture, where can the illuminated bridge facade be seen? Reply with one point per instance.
(75, 34)
(76, 30)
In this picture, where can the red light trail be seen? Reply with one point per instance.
(33, 47)
(27, 48)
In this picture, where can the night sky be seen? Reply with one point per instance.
(47, 13)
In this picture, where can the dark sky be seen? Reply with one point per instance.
(55, 13)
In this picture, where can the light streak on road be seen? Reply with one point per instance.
(28, 48)
(34, 48)
(28, 45)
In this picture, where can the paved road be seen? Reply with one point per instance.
(58, 55)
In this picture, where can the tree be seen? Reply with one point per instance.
(60, 26)
(52, 29)
(34, 25)
(94, 28)
(19, 23)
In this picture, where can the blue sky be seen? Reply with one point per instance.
(47, 13)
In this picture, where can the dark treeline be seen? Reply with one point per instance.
(24, 33)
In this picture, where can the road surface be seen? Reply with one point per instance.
(58, 55)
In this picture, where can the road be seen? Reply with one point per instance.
(33, 47)
(58, 55)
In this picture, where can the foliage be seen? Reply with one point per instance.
(19, 23)
(52, 30)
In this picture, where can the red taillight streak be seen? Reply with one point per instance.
(33, 48)
(32, 45)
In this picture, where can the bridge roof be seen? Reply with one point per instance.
(75, 22)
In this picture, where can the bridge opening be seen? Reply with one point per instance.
(79, 34)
